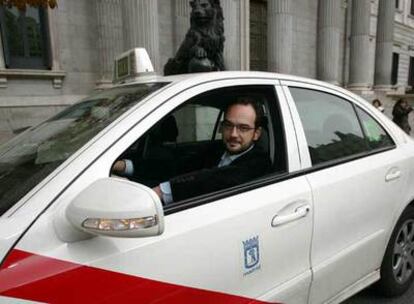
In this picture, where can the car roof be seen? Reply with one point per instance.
(222, 75)
(191, 79)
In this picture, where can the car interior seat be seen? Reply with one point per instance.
(263, 141)
(158, 160)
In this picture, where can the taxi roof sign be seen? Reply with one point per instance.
(131, 65)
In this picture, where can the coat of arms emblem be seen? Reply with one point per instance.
(251, 254)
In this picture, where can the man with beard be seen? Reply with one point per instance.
(241, 161)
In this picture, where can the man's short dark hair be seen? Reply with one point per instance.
(258, 108)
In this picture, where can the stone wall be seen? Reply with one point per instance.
(84, 38)
(79, 57)
(26, 99)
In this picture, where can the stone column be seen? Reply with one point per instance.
(53, 19)
(231, 14)
(140, 22)
(3, 79)
(384, 45)
(110, 37)
(181, 22)
(359, 74)
(244, 35)
(2, 64)
(280, 35)
(329, 40)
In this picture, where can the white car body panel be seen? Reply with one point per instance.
(353, 203)
(175, 257)
(44, 231)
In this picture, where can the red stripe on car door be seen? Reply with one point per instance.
(38, 278)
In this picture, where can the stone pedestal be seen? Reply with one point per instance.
(329, 35)
(359, 74)
(140, 23)
(384, 45)
(280, 36)
(110, 38)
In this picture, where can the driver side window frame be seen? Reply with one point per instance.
(275, 118)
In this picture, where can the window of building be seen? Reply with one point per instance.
(411, 73)
(412, 7)
(25, 38)
(398, 4)
(331, 125)
(395, 63)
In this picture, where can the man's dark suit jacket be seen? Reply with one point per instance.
(252, 164)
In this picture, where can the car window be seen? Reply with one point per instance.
(375, 134)
(28, 159)
(185, 148)
(330, 123)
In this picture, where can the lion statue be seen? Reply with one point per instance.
(202, 48)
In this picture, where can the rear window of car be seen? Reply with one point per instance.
(331, 126)
(375, 134)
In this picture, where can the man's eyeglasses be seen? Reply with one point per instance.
(228, 126)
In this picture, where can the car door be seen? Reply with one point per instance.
(246, 244)
(357, 175)
(31, 160)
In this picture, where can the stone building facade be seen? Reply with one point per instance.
(364, 45)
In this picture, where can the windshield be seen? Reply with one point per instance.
(28, 159)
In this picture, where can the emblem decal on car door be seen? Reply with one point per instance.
(251, 255)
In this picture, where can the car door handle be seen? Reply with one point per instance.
(298, 213)
(392, 174)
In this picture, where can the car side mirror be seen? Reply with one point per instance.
(111, 207)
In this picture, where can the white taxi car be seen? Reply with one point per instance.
(334, 215)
